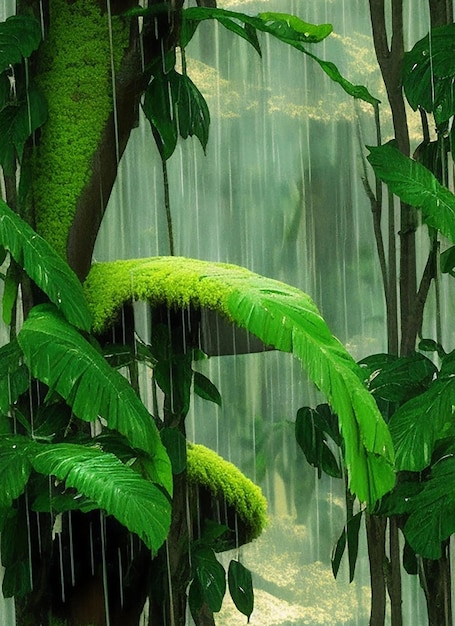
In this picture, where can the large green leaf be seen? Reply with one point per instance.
(280, 315)
(60, 357)
(44, 266)
(398, 379)
(175, 444)
(159, 109)
(429, 72)
(420, 422)
(284, 26)
(288, 320)
(20, 35)
(135, 502)
(193, 112)
(432, 519)
(15, 549)
(416, 186)
(289, 29)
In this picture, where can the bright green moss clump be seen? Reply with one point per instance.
(75, 74)
(225, 480)
(175, 281)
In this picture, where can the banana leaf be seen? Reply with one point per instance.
(281, 316)
(61, 358)
(134, 501)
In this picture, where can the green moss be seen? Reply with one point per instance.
(75, 74)
(175, 281)
(225, 480)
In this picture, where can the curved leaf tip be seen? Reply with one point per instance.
(45, 267)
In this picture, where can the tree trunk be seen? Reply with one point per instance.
(376, 527)
(435, 577)
(436, 583)
(394, 581)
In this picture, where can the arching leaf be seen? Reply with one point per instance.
(287, 319)
(44, 266)
(60, 357)
(281, 316)
(360, 92)
(135, 502)
(416, 186)
(287, 28)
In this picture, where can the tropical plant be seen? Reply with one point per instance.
(412, 391)
(422, 183)
(82, 459)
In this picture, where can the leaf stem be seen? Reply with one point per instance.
(167, 206)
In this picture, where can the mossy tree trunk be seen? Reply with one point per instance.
(90, 67)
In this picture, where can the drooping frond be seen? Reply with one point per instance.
(134, 501)
(61, 358)
(281, 316)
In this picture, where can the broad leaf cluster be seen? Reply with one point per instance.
(415, 396)
(80, 384)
